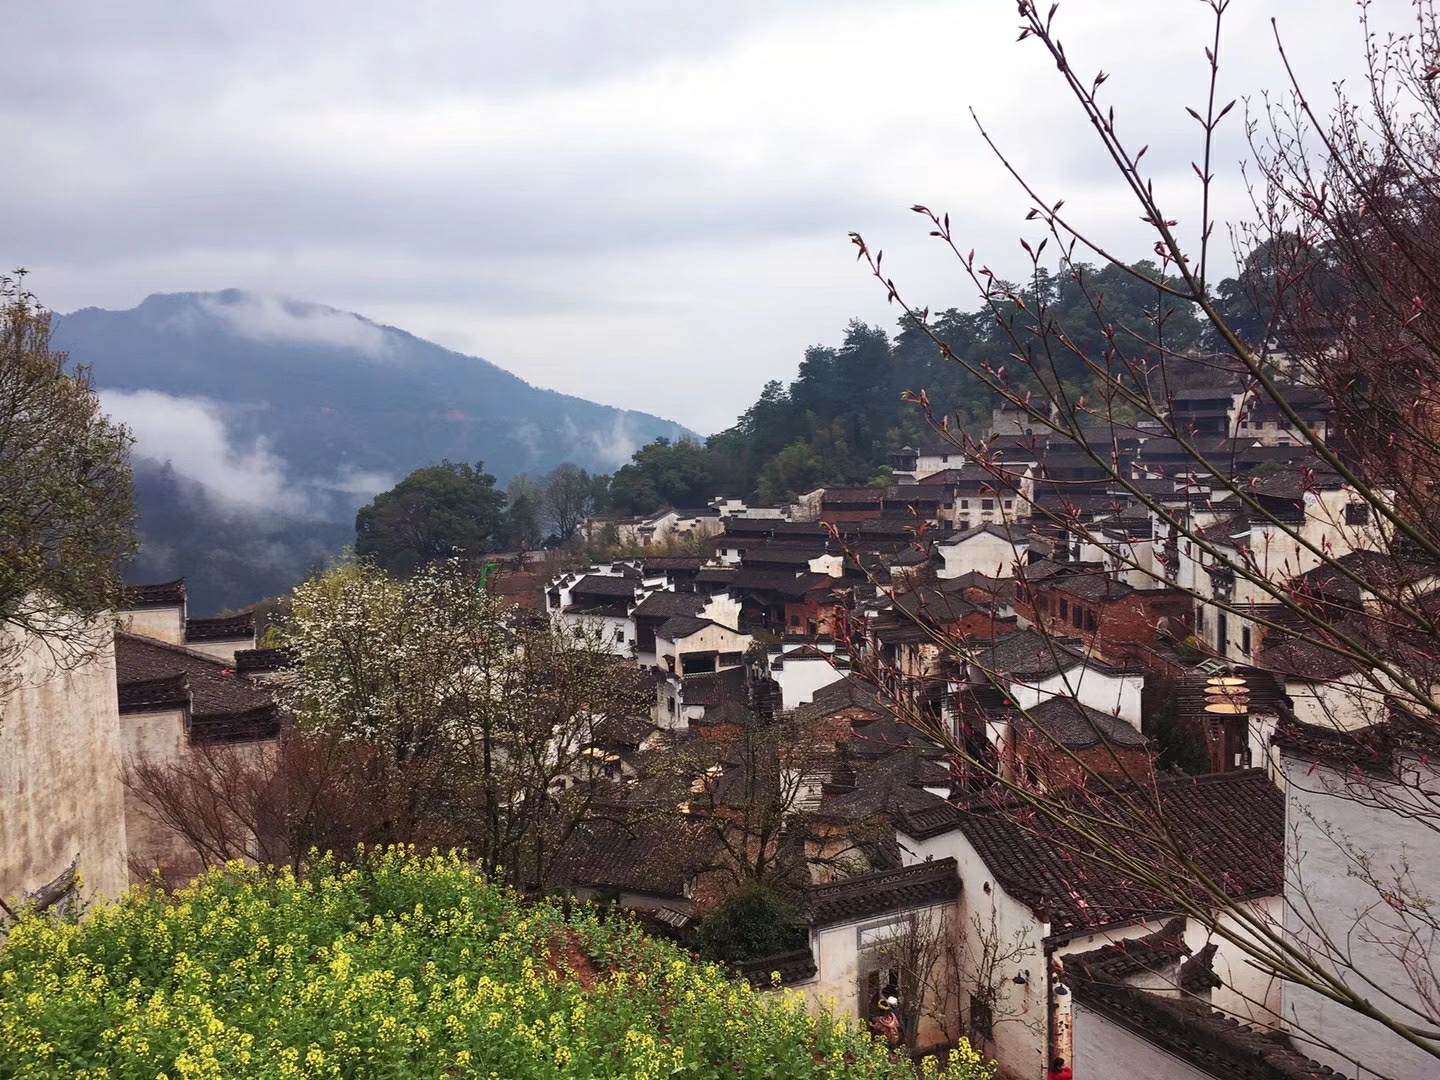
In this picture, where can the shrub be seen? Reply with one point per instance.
(750, 923)
(398, 966)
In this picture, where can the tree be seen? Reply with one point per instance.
(266, 803)
(522, 530)
(477, 721)
(434, 513)
(569, 498)
(1337, 297)
(67, 517)
(751, 923)
(663, 474)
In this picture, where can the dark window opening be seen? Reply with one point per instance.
(982, 1020)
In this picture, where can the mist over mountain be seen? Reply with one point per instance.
(261, 424)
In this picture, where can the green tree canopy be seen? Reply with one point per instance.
(434, 513)
(663, 474)
(67, 516)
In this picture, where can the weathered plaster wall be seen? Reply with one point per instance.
(60, 788)
(162, 623)
(1105, 1050)
(1326, 829)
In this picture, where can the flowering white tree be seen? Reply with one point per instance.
(486, 720)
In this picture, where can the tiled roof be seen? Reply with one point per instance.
(1027, 653)
(780, 581)
(215, 688)
(1011, 534)
(847, 693)
(846, 496)
(165, 594)
(151, 695)
(714, 688)
(603, 585)
(672, 562)
(786, 553)
(1232, 825)
(681, 626)
(1121, 960)
(233, 627)
(910, 556)
(893, 784)
(665, 604)
(1077, 727)
(1304, 657)
(881, 893)
(257, 661)
(1096, 586)
(660, 855)
(1183, 1027)
(794, 967)
(934, 605)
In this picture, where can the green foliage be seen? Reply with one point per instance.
(846, 409)
(751, 923)
(522, 529)
(67, 516)
(434, 513)
(397, 967)
(661, 474)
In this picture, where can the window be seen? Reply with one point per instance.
(795, 621)
(1222, 634)
(1009, 504)
(1200, 621)
(944, 459)
(1077, 617)
(964, 504)
(987, 504)
(1357, 513)
(1064, 609)
(1090, 621)
(670, 706)
(620, 634)
(1245, 640)
(982, 1020)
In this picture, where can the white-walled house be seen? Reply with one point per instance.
(1363, 867)
(990, 549)
(1320, 519)
(854, 927)
(801, 670)
(1037, 902)
(1032, 667)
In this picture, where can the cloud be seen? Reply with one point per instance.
(191, 435)
(272, 318)
(644, 202)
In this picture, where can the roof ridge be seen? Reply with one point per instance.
(145, 639)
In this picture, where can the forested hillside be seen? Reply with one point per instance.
(845, 410)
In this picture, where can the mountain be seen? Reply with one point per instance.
(261, 424)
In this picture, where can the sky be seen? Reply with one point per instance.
(643, 202)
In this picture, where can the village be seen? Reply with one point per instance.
(875, 677)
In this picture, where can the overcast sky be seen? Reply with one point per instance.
(643, 202)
